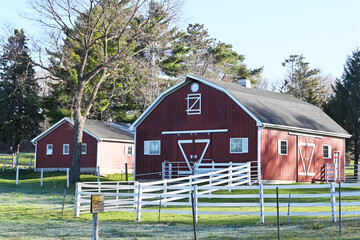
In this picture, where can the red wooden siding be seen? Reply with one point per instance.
(218, 111)
(112, 156)
(64, 134)
(286, 167)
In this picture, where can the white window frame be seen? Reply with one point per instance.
(48, 152)
(127, 150)
(329, 151)
(279, 147)
(147, 148)
(244, 145)
(64, 147)
(85, 145)
(196, 97)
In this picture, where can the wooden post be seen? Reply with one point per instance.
(30, 164)
(54, 181)
(4, 165)
(333, 201)
(159, 208)
(17, 161)
(17, 174)
(63, 204)
(41, 177)
(13, 160)
(67, 177)
(193, 213)
(138, 210)
(288, 214)
(262, 219)
(77, 199)
(196, 202)
(126, 172)
(117, 194)
(95, 226)
(326, 173)
(190, 185)
(277, 211)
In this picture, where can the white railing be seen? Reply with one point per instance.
(347, 173)
(150, 197)
(172, 170)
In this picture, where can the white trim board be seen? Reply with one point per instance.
(195, 131)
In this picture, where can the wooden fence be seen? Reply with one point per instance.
(174, 198)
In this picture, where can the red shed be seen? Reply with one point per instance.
(287, 139)
(106, 145)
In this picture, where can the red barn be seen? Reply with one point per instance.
(106, 145)
(287, 139)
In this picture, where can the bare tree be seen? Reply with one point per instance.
(92, 40)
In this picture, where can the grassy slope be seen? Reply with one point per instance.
(28, 211)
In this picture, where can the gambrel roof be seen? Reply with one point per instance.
(103, 131)
(268, 109)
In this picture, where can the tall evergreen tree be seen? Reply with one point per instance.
(301, 81)
(344, 106)
(20, 113)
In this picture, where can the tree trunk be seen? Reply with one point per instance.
(79, 121)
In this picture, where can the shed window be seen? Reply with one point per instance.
(239, 145)
(83, 148)
(66, 149)
(193, 104)
(327, 151)
(282, 147)
(152, 147)
(49, 149)
(129, 150)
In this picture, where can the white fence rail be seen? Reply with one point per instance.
(174, 197)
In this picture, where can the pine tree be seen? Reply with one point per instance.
(20, 113)
(344, 106)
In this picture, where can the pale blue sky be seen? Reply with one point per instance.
(265, 31)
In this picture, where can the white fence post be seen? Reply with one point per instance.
(4, 165)
(164, 192)
(30, 163)
(98, 173)
(17, 174)
(67, 177)
(170, 170)
(196, 202)
(77, 199)
(163, 170)
(230, 176)
(138, 210)
(249, 172)
(358, 173)
(135, 193)
(333, 201)
(117, 192)
(326, 173)
(262, 219)
(41, 177)
(190, 185)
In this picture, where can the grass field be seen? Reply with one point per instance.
(28, 211)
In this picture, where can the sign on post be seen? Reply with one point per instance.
(97, 206)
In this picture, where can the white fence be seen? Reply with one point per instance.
(174, 197)
(347, 173)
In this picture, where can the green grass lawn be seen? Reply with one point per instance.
(28, 211)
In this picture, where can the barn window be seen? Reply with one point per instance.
(193, 104)
(282, 147)
(152, 147)
(66, 149)
(83, 148)
(129, 150)
(239, 145)
(327, 151)
(49, 149)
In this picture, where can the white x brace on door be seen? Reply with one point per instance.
(180, 142)
(305, 159)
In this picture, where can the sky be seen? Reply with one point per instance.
(266, 31)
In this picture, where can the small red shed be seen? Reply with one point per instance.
(287, 139)
(106, 145)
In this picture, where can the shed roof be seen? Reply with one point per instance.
(105, 131)
(268, 109)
